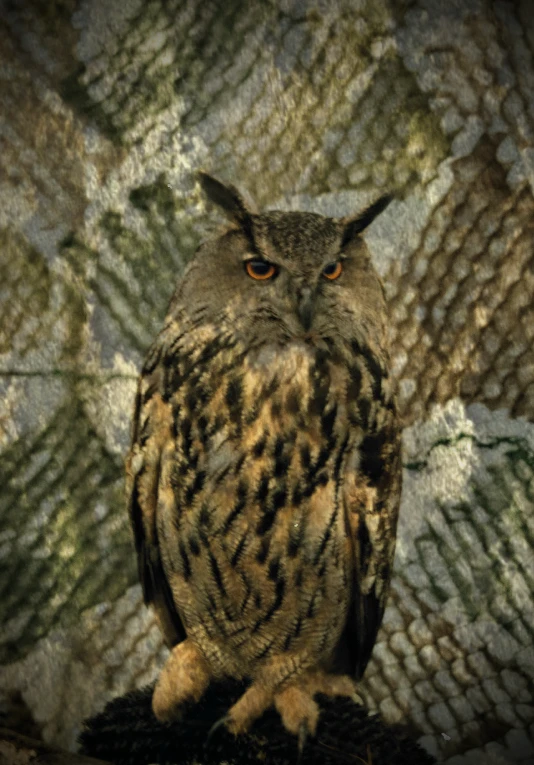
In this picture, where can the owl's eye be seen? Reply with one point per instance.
(333, 270)
(260, 269)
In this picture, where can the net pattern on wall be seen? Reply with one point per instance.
(108, 109)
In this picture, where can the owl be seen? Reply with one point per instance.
(264, 474)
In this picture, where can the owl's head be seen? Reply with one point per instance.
(282, 276)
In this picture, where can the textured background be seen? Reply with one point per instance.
(106, 109)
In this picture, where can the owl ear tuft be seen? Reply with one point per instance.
(227, 198)
(354, 226)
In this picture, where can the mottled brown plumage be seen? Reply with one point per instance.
(264, 475)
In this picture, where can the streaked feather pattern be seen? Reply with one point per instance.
(264, 475)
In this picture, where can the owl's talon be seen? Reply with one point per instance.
(303, 735)
(216, 725)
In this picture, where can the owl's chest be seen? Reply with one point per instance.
(260, 439)
(259, 538)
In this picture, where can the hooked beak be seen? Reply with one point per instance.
(305, 307)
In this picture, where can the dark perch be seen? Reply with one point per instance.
(16, 749)
(127, 733)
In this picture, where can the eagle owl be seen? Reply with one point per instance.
(264, 475)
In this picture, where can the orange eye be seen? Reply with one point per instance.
(260, 269)
(333, 270)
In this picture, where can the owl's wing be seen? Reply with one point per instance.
(371, 498)
(151, 434)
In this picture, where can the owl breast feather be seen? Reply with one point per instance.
(253, 530)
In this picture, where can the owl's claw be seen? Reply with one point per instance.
(303, 735)
(216, 725)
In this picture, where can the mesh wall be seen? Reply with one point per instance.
(108, 109)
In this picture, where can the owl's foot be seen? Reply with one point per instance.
(252, 704)
(330, 685)
(294, 702)
(296, 705)
(183, 679)
(298, 710)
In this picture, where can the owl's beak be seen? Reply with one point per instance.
(305, 307)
